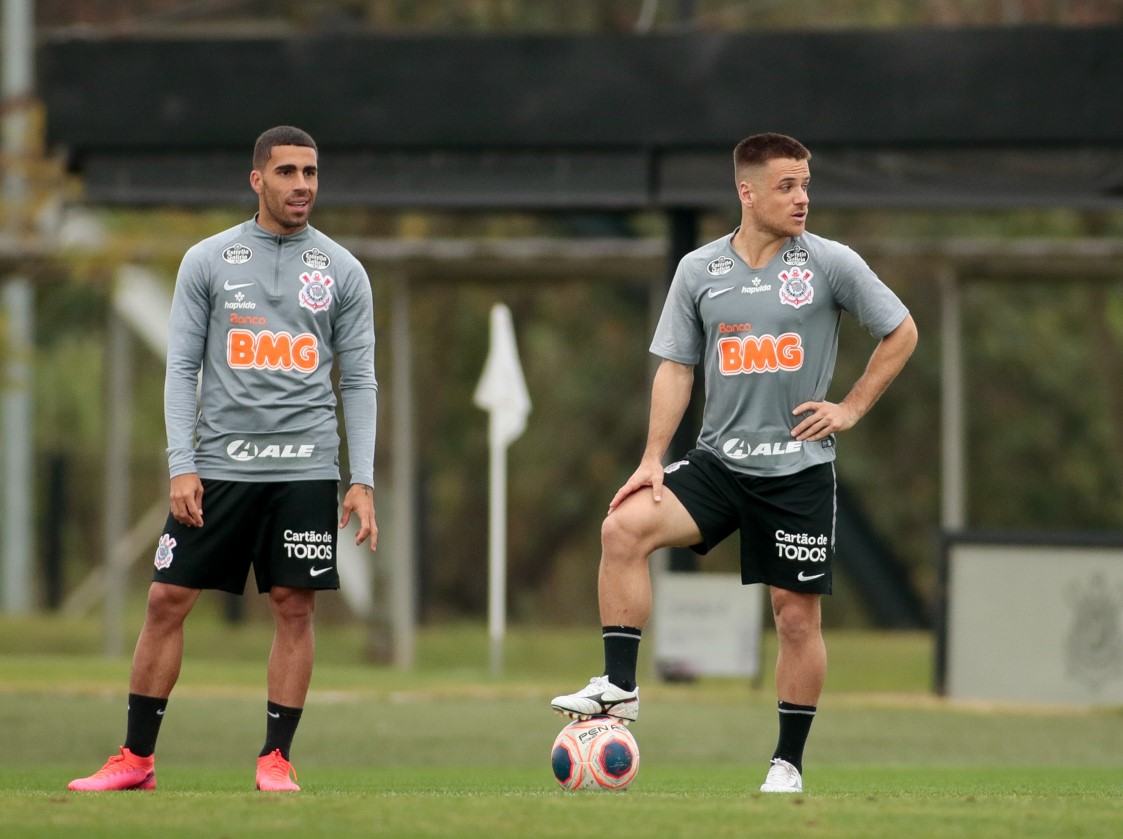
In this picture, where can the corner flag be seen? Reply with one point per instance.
(502, 389)
(502, 393)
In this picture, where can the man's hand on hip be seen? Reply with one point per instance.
(822, 419)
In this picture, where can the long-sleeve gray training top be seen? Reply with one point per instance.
(265, 316)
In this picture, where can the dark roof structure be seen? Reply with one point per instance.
(925, 118)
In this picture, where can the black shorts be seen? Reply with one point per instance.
(286, 529)
(786, 522)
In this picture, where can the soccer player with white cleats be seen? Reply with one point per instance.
(758, 311)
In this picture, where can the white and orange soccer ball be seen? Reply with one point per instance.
(598, 753)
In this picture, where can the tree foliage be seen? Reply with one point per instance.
(1044, 392)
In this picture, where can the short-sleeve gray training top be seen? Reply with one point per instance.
(768, 338)
(265, 317)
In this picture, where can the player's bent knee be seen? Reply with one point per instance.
(622, 537)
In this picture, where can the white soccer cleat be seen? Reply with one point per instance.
(599, 698)
(782, 777)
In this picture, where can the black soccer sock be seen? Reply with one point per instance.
(621, 649)
(280, 727)
(795, 723)
(145, 715)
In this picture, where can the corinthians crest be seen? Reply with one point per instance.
(164, 555)
(795, 288)
(315, 291)
(1094, 646)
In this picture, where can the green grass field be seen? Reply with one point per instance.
(446, 751)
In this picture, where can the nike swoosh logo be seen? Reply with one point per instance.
(805, 579)
(716, 292)
(226, 286)
(274, 714)
(609, 703)
(315, 572)
(160, 712)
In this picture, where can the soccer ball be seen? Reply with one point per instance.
(598, 753)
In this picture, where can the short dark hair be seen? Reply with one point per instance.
(279, 135)
(760, 148)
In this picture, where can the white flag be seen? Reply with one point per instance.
(502, 389)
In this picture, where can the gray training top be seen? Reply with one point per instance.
(265, 316)
(769, 337)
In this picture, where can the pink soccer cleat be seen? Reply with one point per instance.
(273, 773)
(121, 772)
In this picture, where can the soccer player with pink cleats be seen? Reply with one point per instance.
(273, 773)
(123, 771)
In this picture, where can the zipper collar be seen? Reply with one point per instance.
(258, 232)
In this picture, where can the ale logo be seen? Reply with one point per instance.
(243, 450)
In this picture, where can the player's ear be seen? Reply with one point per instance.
(255, 181)
(745, 191)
